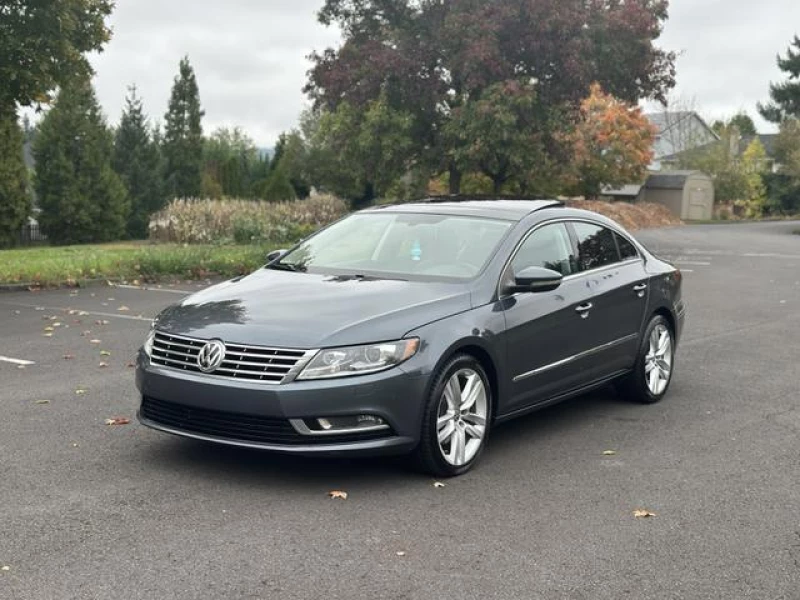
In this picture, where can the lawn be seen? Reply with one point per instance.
(73, 265)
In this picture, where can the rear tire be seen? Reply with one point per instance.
(650, 379)
(455, 425)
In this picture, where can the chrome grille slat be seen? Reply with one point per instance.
(241, 362)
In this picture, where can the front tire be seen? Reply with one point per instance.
(456, 421)
(649, 381)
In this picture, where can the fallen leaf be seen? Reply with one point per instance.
(95, 341)
(103, 365)
(49, 329)
(610, 453)
(401, 553)
(80, 392)
(101, 322)
(5, 568)
(642, 513)
(20, 367)
(118, 421)
(86, 333)
(105, 353)
(337, 495)
(74, 445)
(56, 324)
(123, 309)
(47, 334)
(131, 365)
(438, 484)
(83, 313)
(42, 402)
(69, 356)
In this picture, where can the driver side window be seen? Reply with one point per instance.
(549, 247)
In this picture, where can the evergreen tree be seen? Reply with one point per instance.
(785, 96)
(136, 160)
(14, 197)
(183, 136)
(82, 198)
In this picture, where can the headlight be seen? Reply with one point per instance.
(356, 360)
(148, 343)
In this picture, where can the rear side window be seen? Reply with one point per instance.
(596, 246)
(626, 249)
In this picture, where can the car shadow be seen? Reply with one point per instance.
(246, 466)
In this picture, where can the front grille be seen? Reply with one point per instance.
(238, 427)
(253, 363)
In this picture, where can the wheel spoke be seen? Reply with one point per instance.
(446, 432)
(452, 393)
(445, 418)
(475, 431)
(649, 365)
(474, 419)
(471, 392)
(458, 447)
(663, 343)
(653, 381)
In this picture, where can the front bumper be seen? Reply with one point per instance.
(257, 415)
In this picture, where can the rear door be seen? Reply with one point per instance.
(612, 269)
(544, 332)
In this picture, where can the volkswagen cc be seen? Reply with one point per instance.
(414, 329)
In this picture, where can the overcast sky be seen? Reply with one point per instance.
(250, 56)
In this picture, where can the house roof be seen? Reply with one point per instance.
(669, 180)
(668, 120)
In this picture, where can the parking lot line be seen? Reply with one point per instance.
(88, 312)
(17, 361)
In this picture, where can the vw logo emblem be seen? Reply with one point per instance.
(211, 356)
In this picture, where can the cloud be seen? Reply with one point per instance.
(728, 52)
(249, 57)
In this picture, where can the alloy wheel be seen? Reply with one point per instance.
(658, 362)
(462, 417)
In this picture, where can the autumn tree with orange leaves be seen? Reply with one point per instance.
(612, 144)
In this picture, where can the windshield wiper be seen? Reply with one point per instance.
(279, 266)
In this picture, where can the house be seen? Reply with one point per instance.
(678, 132)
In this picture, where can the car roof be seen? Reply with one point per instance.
(505, 209)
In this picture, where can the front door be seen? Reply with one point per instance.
(546, 333)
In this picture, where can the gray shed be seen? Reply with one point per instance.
(688, 194)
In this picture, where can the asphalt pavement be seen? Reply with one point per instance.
(95, 511)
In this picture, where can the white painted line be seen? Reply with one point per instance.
(88, 312)
(694, 262)
(687, 270)
(149, 289)
(17, 361)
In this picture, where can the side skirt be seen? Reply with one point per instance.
(560, 398)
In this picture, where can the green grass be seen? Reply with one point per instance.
(74, 265)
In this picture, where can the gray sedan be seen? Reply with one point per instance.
(413, 329)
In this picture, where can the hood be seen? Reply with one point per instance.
(300, 310)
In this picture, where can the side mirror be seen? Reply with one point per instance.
(536, 280)
(276, 255)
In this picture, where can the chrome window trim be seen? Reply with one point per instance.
(571, 276)
(303, 429)
(574, 357)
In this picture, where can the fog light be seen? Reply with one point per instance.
(349, 423)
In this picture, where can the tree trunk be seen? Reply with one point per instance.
(455, 180)
(498, 184)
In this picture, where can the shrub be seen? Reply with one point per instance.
(243, 221)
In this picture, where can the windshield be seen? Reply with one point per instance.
(400, 246)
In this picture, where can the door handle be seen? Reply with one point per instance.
(640, 290)
(583, 309)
